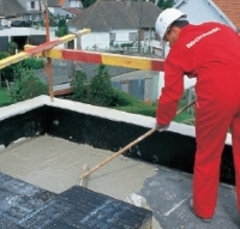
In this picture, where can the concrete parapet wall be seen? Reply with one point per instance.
(106, 129)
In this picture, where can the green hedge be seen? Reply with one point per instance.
(128, 103)
(99, 91)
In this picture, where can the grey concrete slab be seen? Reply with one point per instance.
(168, 194)
(55, 165)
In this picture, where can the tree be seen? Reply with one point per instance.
(12, 47)
(8, 72)
(31, 63)
(101, 90)
(62, 28)
(164, 4)
(80, 87)
(87, 3)
(98, 91)
(27, 86)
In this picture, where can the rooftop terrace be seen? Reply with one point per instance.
(46, 143)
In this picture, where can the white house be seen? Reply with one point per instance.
(10, 9)
(116, 22)
(69, 8)
(14, 15)
(34, 9)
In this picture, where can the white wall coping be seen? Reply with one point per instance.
(107, 113)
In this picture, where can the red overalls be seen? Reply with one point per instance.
(210, 52)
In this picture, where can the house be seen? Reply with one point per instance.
(226, 12)
(116, 22)
(34, 9)
(14, 15)
(66, 8)
(231, 10)
(10, 9)
(71, 12)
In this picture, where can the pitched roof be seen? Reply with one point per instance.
(105, 15)
(57, 3)
(54, 3)
(61, 2)
(231, 8)
(72, 10)
(11, 8)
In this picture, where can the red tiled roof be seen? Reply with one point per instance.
(61, 2)
(231, 8)
(73, 10)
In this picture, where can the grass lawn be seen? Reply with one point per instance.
(187, 116)
(139, 107)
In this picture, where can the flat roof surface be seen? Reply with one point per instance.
(56, 164)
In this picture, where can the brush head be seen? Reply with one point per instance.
(83, 180)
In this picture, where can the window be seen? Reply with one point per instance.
(112, 37)
(32, 4)
(132, 36)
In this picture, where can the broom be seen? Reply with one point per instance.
(86, 169)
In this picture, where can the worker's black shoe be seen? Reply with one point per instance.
(205, 220)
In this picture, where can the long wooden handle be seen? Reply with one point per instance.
(129, 145)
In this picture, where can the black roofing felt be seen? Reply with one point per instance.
(106, 15)
(24, 206)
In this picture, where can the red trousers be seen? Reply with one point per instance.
(217, 110)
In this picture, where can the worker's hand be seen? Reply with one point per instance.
(161, 127)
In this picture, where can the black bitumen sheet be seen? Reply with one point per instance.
(24, 206)
(18, 200)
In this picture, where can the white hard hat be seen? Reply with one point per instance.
(165, 19)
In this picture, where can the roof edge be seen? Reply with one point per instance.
(222, 14)
(102, 112)
(180, 3)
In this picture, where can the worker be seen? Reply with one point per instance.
(210, 52)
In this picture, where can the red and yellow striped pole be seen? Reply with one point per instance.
(40, 48)
(136, 62)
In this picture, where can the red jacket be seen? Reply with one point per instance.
(200, 50)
